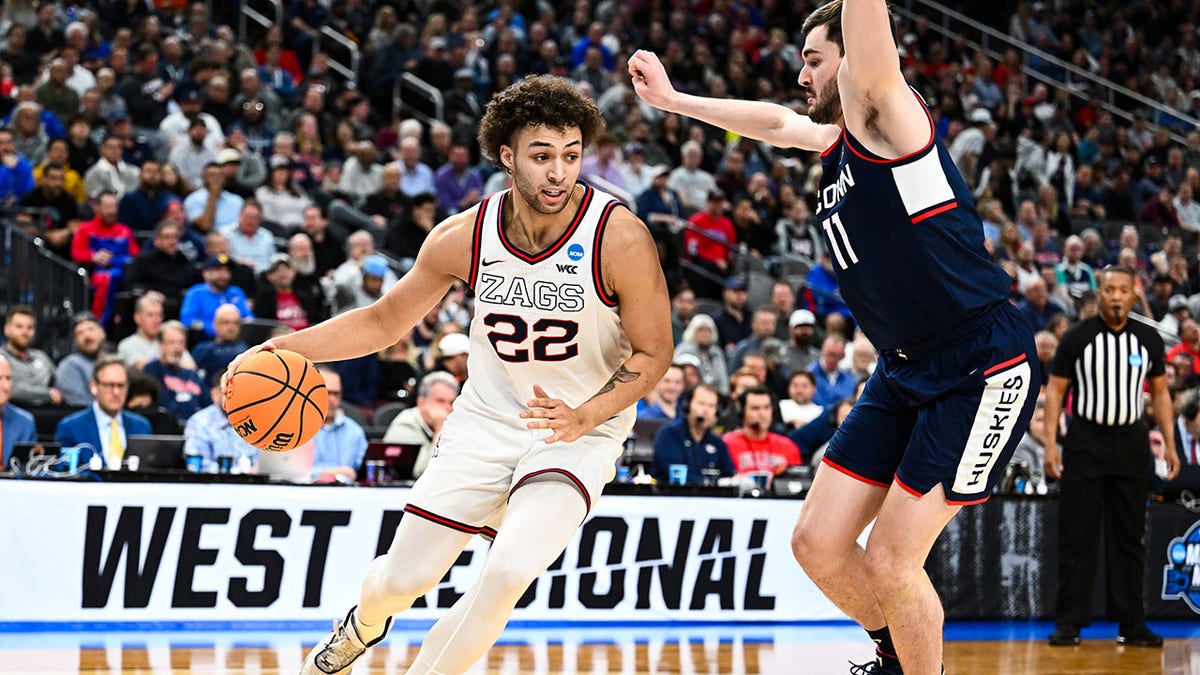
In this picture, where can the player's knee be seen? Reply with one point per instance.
(507, 577)
(886, 568)
(410, 582)
(813, 553)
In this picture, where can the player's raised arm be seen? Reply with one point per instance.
(879, 107)
(443, 258)
(768, 122)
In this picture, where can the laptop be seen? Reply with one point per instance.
(156, 452)
(23, 451)
(641, 451)
(398, 460)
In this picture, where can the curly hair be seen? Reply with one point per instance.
(540, 100)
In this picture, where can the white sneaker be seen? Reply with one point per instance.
(339, 650)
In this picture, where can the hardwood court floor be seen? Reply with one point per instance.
(710, 650)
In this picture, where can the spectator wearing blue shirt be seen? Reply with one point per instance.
(690, 440)
(201, 301)
(594, 37)
(833, 383)
(211, 206)
(249, 243)
(822, 286)
(341, 444)
(16, 173)
(663, 401)
(209, 434)
(143, 208)
(215, 355)
(415, 176)
(459, 187)
(16, 425)
(182, 392)
(1037, 307)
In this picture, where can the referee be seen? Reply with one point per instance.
(1105, 361)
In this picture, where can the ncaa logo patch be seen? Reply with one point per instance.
(1135, 360)
(1181, 574)
(575, 252)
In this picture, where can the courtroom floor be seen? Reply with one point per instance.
(1000, 648)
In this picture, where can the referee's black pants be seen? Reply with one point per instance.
(1087, 502)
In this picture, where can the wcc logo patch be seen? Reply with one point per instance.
(1181, 574)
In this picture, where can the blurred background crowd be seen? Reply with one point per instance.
(221, 179)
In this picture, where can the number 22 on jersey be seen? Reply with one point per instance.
(554, 341)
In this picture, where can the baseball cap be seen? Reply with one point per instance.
(687, 360)
(280, 162)
(802, 317)
(118, 115)
(375, 265)
(464, 74)
(980, 116)
(229, 156)
(83, 317)
(437, 43)
(659, 170)
(190, 96)
(454, 344)
(277, 260)
(634, 147)
(218, 261)
(1176, 302)
(716, 193)
(736, 282)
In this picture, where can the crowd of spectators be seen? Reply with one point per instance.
(206, 179)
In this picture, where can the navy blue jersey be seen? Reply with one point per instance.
(906, 244)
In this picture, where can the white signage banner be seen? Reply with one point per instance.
(144, 552)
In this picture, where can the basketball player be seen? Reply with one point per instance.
(951, 397)
(571, 328)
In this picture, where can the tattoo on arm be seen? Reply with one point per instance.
(623, 375)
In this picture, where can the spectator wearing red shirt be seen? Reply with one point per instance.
(1189, 343)
(709, 240)
(282, 301)
(104, 246)
(754, 447)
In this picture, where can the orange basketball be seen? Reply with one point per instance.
(276, 400)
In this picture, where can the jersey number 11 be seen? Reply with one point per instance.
(834, 230)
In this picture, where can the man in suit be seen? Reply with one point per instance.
(104, 426)
(16, 425)
(1187, 443)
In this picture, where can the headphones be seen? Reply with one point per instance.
(685, 401)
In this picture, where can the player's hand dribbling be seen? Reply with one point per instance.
(567, 423)
(650, 79)
(239, 359)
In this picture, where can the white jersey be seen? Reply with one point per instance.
(542, 319)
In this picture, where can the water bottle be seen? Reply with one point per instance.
(195, 461)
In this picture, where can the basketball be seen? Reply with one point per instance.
(276, 401)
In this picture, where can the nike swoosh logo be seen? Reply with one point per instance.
(485, 263)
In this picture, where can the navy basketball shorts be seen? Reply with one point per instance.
(952, 417)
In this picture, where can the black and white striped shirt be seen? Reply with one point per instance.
(1108, 370)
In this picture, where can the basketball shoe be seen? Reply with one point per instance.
(877, 668)
(339, 650)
